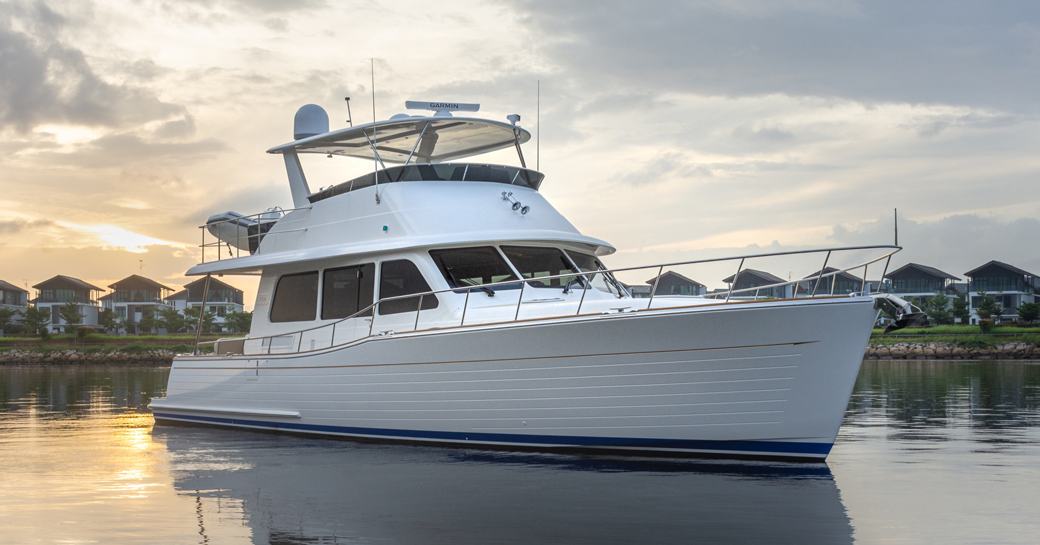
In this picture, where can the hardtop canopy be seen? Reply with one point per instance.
(424, 139)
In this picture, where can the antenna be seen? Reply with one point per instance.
(372, 61)
(895, 224)
(375, 149)
(350, 118)
(538, 128)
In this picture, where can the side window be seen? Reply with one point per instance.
(402, 277)
(535, 262)
(347, 290)
(463, 267)
(603, 281)
(295, 298)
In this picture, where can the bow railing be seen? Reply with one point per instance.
(293, 341)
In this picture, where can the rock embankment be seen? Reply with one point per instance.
(155, 356)
(951, 351)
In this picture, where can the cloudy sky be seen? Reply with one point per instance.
(673, 130)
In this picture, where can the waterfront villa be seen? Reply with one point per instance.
(752, 278)
(917, 283)
(842, 283)
(221, 300)
(13, 298)
(135, 296)
(1007, 284)
(670, 283)
(60, 290)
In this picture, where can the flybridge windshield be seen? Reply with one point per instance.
(442, 172)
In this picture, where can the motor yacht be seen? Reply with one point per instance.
(439, 300)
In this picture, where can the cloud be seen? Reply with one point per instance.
(15, 226)
(955, 243)
(47, 81)
(938, 51)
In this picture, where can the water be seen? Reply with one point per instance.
(931, 452)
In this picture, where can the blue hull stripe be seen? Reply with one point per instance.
(765, 447)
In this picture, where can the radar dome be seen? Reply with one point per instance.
(310, 120)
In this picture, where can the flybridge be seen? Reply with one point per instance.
(402, 139)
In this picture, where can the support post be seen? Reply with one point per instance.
(653, 290)
(736, 277)
(820, 276)
(202, 313)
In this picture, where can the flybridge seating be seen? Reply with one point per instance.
(442, 172)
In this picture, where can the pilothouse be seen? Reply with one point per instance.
(440, 300)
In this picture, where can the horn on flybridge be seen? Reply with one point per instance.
(441, 109)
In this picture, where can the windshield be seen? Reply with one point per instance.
(535, 262)
(463, 267)
(603, 281)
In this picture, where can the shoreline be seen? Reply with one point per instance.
(163, 357)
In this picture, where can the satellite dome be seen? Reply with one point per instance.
(310, 120)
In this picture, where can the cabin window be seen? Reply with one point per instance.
(347, 290)
(463, 267)
(295, 298)
(588, 262)
(402, 277)
(534, 262)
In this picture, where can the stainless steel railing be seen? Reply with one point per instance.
(585, 278)
(242, 234)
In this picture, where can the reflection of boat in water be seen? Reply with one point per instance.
(293, 490)
(450, 302)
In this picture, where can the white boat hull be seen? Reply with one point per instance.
(757, 379)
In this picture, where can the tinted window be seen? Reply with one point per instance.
(473, 266)
(347, 290)
(587, 262)
(534, 262)
(295, 298)
(402, 277)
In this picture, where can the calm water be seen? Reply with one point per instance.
(931, 452)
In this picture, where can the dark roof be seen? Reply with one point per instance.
(135, 280)
(1002, 265)
(827, 270)
(107, 296)
(768, 277)
(183, 294)
(213, 283)
(673, 273)
(62, 280)
(931, 271)
(7, 286)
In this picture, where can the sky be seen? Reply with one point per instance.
(675, 130)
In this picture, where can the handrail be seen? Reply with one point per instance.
(373, 308)
(239, 238)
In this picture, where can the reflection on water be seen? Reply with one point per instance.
(930, 452)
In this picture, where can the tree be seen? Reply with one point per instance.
(192, 318)
(960, 309)
(171, 320)
(1029, 312)
(35, 321)
(108, 321)
(238, 322)
(147, 323)
(936, 309)
(987, 307)
(69, 313)
(6, 317)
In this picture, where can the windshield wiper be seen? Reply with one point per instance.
(486, 289)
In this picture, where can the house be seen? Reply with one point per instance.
(842, 283)
(221, 299)
(748, 279)
(917, 283)
(1007, 284)
(54, 293)
(669, 283)
(135, 296)
(15, 299)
